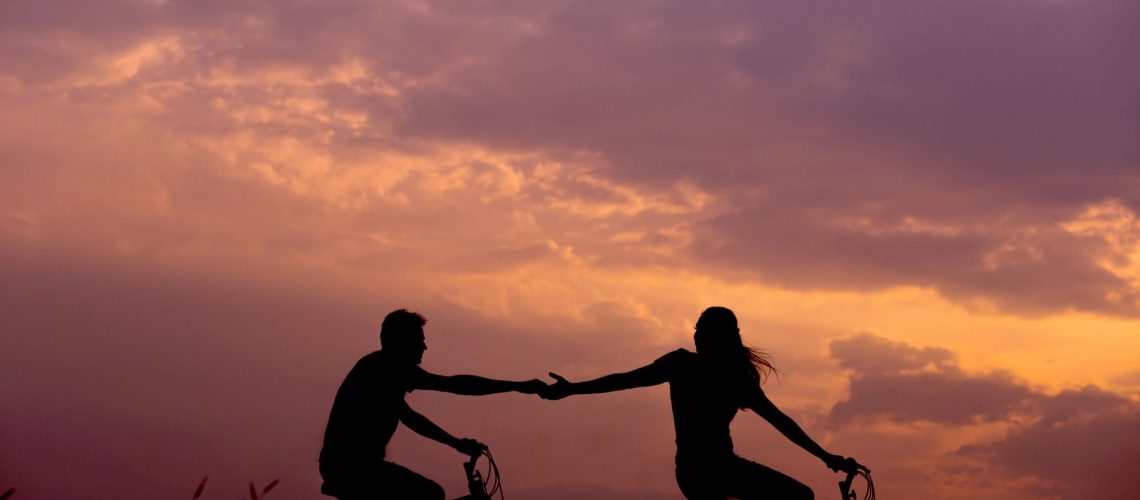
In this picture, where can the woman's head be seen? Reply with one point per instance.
(717, 336)
(717, 332)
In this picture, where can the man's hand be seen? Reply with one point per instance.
(470, 447)
(533, 386)
(557, 390)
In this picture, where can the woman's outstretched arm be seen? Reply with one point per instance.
(648, 375)
(764, 407)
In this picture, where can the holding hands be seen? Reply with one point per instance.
(532, 386)
(558, 390)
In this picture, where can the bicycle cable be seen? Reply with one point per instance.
(491, 478)
(869, 492)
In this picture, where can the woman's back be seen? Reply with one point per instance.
(705, 397)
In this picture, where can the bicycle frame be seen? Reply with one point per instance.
(845, 486)
(476, 486)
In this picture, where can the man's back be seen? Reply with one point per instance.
(365, 414)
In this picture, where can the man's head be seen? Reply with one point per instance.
(402, 335)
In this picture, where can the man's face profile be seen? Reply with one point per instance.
(410, 346)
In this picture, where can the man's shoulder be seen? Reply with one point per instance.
(373, 364)
(380, 363)
(374, 358)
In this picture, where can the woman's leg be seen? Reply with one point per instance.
(700, 483)
(751, 481)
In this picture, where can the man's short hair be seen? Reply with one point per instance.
(400, 323)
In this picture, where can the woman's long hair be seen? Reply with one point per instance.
(718, 336)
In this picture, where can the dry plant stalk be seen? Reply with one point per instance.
(253, 495)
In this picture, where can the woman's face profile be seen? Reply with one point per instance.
(704, 338)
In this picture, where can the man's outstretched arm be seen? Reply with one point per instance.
(474, 385)
(426, 428)
(645, 376)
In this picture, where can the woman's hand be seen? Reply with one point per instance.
(558, 390)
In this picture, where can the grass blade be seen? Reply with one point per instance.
(201, 486)
(8, 494)
(270, 486)
(252, 492)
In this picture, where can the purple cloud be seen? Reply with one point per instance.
(1094, 457)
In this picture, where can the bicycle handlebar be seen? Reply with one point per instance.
(480, 486)
(845, 485)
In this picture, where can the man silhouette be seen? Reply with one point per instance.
(370, 403)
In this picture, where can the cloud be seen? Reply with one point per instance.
(896, 381)
(930, 125)
(1030, 270)
(938, 398)
(1092, 457)
(1128, 381)
(807, 146)
(866, 353)
(1077, 443)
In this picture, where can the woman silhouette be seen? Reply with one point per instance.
(706, 390)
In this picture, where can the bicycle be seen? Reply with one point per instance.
(845, 486)
(484, 486)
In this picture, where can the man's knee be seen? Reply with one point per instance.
(433, 491)
(796, 490)
(418, 487)
(803, 492)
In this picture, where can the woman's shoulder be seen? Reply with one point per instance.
(677, 357)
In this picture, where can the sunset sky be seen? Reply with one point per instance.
(927, 211)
